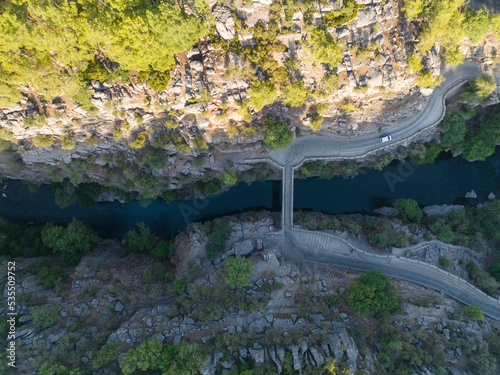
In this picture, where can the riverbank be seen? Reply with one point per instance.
(289, 316)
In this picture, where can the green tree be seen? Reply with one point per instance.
(316, 122)
(427, 80)
(238, 271)
(331, 83)
(105, 355)
(295, 94)
(408, 210)
(413, 8)
(164, 250)
(476, 25)
(372, 293)
(229, 178)
(262, 93)
(276, 134)
(443, 230)
(494, 270)
(481, 278)
(71, 242)
(322, 47)
(478, 90)
(67, 143)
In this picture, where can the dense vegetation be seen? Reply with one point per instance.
(56, 47)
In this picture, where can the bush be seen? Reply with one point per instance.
(229, 178)
(408, 210)
(276, 134)
(390, 237)
(262, 93)
(71, 242)
(208, 312)
(142, 240)
(180, 285)
(295, 94)
(217, 238)
(5, 134)
(200, 144)
(152, 355)
(67, 143)
(156, 159)
(494, 270)
(443, 230)
(44, 317)
(139, 141)
(43, 141)
(481, 278)
(444, 262)
(316, 122)
(238, 271)
(372, 293)
(117, 135)
(105, 355)
(474, 312)
(413, 8)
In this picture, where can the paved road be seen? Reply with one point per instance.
(322, 248)
(319, 249)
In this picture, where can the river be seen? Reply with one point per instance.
(444, 182)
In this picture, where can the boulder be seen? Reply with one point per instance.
(224, 22)
(471, 194)
(243, 247)
(441, 210)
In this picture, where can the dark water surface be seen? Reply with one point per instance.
(445, 181)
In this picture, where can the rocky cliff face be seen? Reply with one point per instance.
(280, 320)
(203, 99)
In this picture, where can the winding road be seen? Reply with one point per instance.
(315, 147)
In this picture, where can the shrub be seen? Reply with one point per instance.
(142, 240)
(316, 122)
(200, 144)
(408, 210)
(238, 271)
(67, 143)
(217, 238)
(71, 242)
(105, 355)
(44, 317)
(43, 141)
(481, 278)
(474, 312)
(208, 312)
(295, 94)
(390, 237)
(166, 359)
(276, 134)
(139, 141)
(444, 262)
(262, 93)
(443, 230)
(180, 285)
(372, 293)
(156, 159)
(171, 124)
(117, 135)
(5, 134)
(229, 178)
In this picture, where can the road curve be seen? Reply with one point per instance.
(322, 248)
